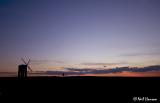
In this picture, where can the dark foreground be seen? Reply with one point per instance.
(79, 88)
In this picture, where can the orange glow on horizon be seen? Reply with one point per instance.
(129, 74)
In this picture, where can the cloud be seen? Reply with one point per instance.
(77, 71)
(97, 64)
(65, 72)
(34, 61)
(80, 70)
(141, 54)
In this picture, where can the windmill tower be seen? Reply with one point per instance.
(22, 69)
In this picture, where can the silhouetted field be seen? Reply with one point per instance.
(101, 88)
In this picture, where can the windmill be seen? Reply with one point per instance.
(22, 69)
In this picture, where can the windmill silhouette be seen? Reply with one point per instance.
(22, 69)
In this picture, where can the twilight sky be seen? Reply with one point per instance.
(56, 34)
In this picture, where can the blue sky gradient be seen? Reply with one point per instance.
(74, 32)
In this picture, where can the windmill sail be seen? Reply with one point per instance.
(27, 63)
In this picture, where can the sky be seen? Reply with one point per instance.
(58, 34)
